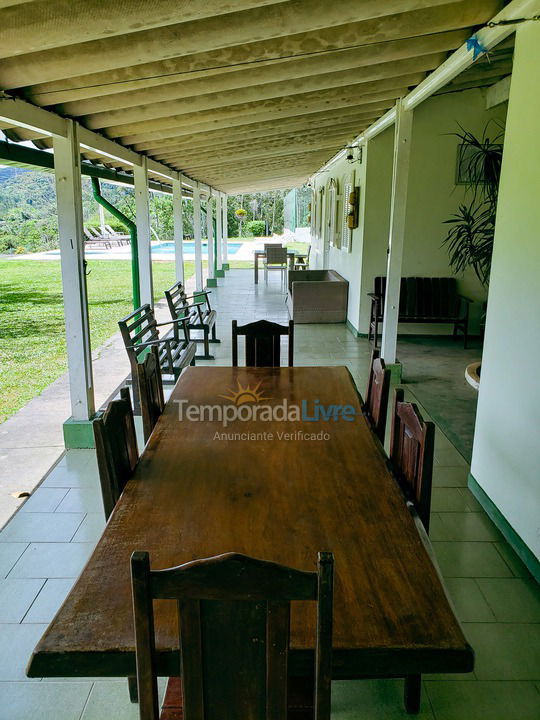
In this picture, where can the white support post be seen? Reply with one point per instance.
(67, 170)
(211, 275)
(101, 211)
(225, 232)
(197, 238)
(219, 235)
(177, 200)
(142, 212)
(398, 208)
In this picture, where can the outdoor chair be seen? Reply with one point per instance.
(263, 343)
(151, 395)
(116, 449)
(411, 454)
(140, 332)
(275, 259)
(199, 312)
(92, 239)
(378, 388)
(120, 237)
(234, 620)
(301, 262)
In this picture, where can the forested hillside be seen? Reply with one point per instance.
(28, 210)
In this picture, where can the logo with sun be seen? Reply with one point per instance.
(244, 395)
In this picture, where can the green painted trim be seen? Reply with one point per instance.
(524, 553)
(396, 372)
(226, 266)
(220, 273)
(78, 434)
(211, 282)
(352, 329)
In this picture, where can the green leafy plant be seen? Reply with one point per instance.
(257, 228)
(470, 238)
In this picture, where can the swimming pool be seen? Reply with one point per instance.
(167, 248)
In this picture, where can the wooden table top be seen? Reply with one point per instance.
(284, 499)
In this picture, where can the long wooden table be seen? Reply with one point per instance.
(195, 494)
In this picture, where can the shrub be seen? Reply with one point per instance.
(256, 228)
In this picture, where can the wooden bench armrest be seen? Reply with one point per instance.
(374, 296)
(173, 322)
(465, 298)
(199, 292)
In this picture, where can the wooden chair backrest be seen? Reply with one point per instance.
(263, 343)
(234, 619)
(411, 454)
(150, 391)
(139, 327)
(378, 389)
(276, 256)
(176, 300)
(271, 245)
(116, 449)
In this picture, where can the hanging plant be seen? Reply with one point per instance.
(240, 213)
(470, 238)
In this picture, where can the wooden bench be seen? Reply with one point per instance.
(423, 300)
(175, 350)
(199, 312)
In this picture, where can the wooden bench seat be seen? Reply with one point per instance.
(199, 312)
(175, 349)
(423, 300)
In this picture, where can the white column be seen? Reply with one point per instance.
(101, 211)
(142, 211)
(177, 200)
(225, 229)
(210, 238)
(197, 238)
(67, 170)
(398, 207)
(219, 232)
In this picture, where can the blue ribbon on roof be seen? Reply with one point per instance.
(474, 44)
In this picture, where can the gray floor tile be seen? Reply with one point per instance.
(81, 500)
(9, 554)
(91, 528)
(472, 526)
(47, 603)
(448, 500)
(469, 602)
(449, 476)
(450, 457)
(505, 651)
(41, 527)
(71, 477)
(44, 499)
(470, 559)
(484, 700)
(511, 559)
(17, 643)
(43, 701)
(110, 700)
(52, 560)
(373, 700)
(512, 600)
(16, 596)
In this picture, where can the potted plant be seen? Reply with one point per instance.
(470, 237)
(241, 215)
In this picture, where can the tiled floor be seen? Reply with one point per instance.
(46, 544)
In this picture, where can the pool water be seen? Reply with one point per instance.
(167, 248)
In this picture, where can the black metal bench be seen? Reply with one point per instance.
(423, 300)
(175, 349)
(199, 312)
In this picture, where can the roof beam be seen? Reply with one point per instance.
(498, 93)
(372, 79)
(378, 58)
(56, 23)
(22, 114)
(269, 110)
(270, 22)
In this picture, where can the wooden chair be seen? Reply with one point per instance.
(263, 343)
(378, 388)
(276, 259)
(150, 391)
(411, 454)
(199, 313)
(234, 618)
(411, 459)
(116, 449)
(140, 331)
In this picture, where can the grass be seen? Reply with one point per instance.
(32, 337)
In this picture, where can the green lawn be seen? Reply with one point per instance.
(32, 337)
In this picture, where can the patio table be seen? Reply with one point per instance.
(291, 256)
(276, 489)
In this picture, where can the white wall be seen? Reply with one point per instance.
(506, 453)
